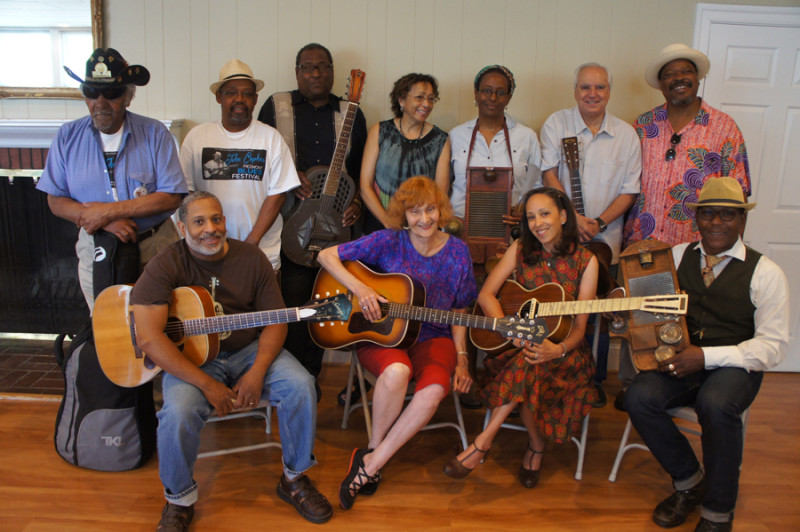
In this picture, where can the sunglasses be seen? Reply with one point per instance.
(675, 140)
(110, 93)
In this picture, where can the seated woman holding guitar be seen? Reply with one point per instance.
(551, 381)
(414, 246)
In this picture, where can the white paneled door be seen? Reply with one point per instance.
(755, 78)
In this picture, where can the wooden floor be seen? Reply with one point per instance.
(39, 491)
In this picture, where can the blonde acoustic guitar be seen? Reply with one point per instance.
(192, 325)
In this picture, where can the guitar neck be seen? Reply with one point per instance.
(577, 195)
(432, 315)
(573, 161)
(236, 322)
(335, 169)
(593, 306)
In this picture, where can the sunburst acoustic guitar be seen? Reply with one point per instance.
(401, 319)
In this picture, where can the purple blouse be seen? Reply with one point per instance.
(447, 276)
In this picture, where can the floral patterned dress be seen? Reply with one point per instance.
(560, 392)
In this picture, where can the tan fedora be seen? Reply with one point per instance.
(721, 192)
(671, 53)
(235, 69)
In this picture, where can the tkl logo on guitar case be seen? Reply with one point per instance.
(112, 441)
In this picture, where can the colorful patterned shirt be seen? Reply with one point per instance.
(711, 145)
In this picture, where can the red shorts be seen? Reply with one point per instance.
(431, 362)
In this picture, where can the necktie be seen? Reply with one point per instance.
(708, 271)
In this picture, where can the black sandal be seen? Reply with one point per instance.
(529, 477)
(355, 395)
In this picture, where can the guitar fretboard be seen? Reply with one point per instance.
(410, 312)
(572, 158)
(235, 322)
(662, 304)
(337, 163)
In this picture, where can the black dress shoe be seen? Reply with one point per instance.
(619, 401)
(710, 526)
(308, 501)
(601, 397)
(674, 510)
(175, 518)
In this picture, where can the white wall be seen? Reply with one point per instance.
(185, 42)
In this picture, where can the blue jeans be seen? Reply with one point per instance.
(719, 396)
(288, 387)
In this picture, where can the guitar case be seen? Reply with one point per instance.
(100, 425)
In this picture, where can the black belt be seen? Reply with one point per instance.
(147, 233)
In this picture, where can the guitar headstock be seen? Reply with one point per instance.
(531, 330)
(355, 85)
(335, 308)
(666, 304)
(571, 156)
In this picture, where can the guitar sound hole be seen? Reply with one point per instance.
(174, 331)
(359, 324)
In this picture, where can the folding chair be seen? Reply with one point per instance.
(686, 413)
(580, 443)
(263, 410)
(359, 373)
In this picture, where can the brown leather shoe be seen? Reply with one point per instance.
(175, 518)
(456, 469)
(309, 502)
(674, 510)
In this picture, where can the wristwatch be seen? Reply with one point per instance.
(601, 223)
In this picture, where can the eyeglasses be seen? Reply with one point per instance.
(109, 93)
(419, 98)
(500, 93)
(675, 140)
(308, 68)
(707, 214)
(233, 93)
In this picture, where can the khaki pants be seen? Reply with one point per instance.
(84, 249)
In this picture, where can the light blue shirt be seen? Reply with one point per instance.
(147, 160)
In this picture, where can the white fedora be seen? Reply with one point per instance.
(671, 53)
(235, 69)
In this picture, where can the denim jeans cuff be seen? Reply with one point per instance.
(185, 498)
(716, 517)
(688, 483)
(293, 473)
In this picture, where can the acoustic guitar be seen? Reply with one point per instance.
(601, 250)
(401, 317)
(192, 325)
(551, 303)
(316, 222)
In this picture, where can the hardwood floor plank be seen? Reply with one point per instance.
(41, 492)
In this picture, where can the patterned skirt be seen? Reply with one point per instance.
(560, 393)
